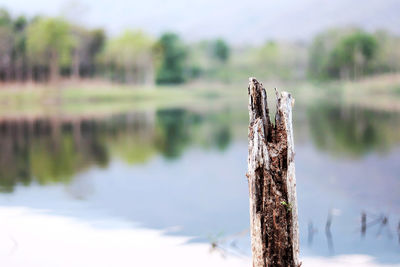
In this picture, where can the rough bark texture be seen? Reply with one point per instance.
(272, 182)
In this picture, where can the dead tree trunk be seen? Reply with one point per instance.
(272, 182)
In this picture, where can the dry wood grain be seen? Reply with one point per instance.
(272, 181)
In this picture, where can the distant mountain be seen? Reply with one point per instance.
(239, 21)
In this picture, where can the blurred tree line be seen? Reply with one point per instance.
(44, 49)
(353, 53)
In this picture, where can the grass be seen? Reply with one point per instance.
(376, 92)
(97, 98)
(92, 98)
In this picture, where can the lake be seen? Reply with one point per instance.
(167, 186)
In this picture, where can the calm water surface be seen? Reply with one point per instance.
(180, 172)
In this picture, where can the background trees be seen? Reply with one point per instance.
(173, 53)
(220, 50)
(351, 54)
(49, 42)
(88, 44)
(131, 54)
(19, 50)
(41, 49)
(6, 44)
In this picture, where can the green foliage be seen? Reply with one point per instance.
(387, 58)
(337, 54)
(220, 50)
(20, 23)
(171, 69)
(6, 38)
(277, 60)
(128, 48)
(353, 55)
(5, 18)
(320, 50)
(318, 59)
(50, 39)
(98, 38)
(88, 43)
(287, 205)
(131, 52)
(6, 44)
(268, 56)
(39, 47)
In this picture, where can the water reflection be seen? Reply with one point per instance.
(177, 129)
(350, 130)
(55, 149)
(182, 171)
(328, 232)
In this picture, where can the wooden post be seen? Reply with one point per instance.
(272, 182)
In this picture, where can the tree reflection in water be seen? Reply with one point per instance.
(54, 149)
(353, 131)
(51, 150)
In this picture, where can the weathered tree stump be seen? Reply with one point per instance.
(272, 182)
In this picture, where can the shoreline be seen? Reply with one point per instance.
(94, 96)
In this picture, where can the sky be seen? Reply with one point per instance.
(238, 21)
